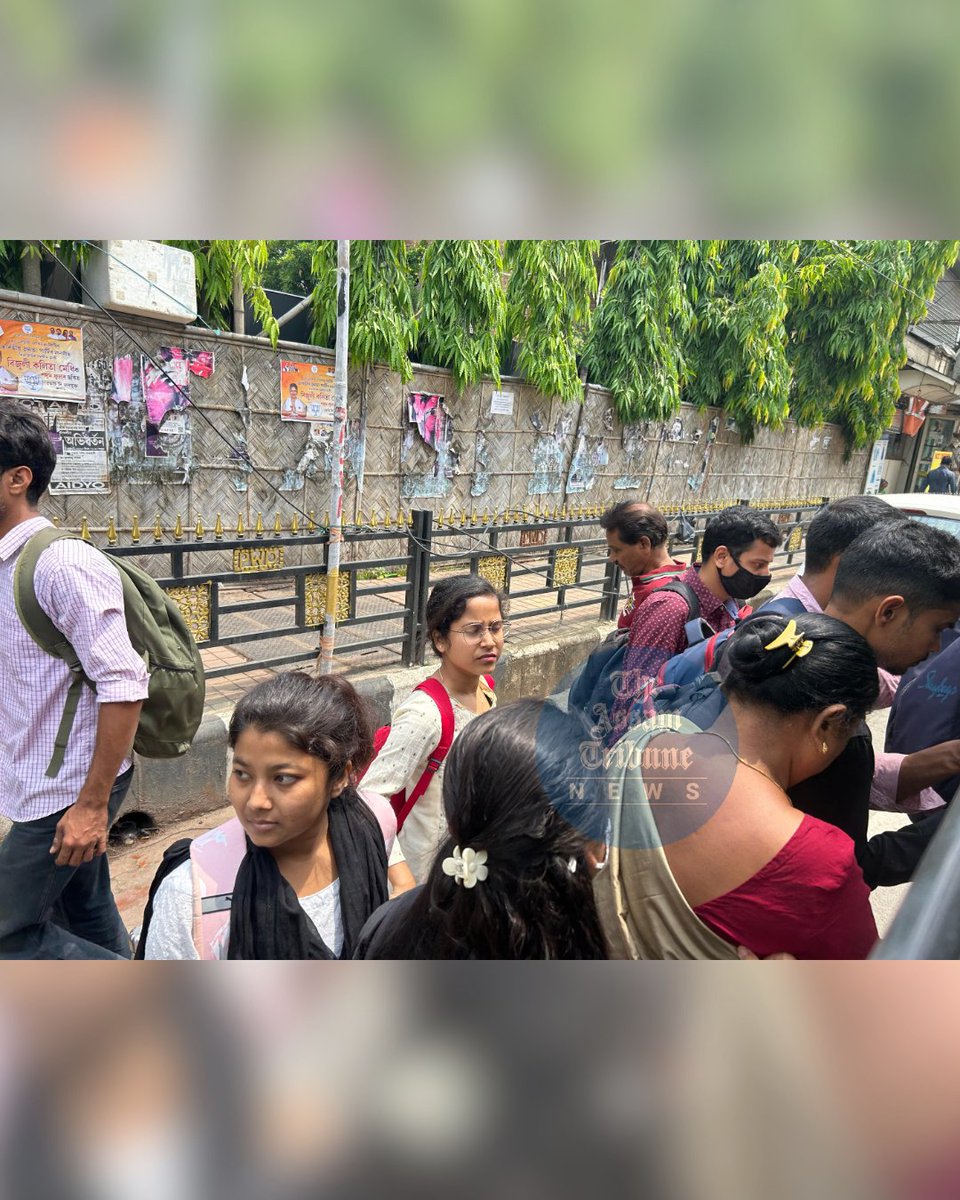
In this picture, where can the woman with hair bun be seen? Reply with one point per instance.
(526, 808)
(708, 852)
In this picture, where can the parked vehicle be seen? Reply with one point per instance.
(941, 511)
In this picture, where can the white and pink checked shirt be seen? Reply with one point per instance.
(82, 594)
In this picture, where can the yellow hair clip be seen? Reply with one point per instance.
(792, 639)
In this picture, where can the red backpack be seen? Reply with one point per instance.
(402, 803)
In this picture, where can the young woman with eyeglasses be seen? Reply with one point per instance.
(465, 626)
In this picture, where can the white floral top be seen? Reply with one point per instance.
(414, 734)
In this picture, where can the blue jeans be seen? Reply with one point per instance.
(48, 911)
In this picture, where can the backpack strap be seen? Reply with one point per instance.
(438, 694)
(48, 637)
(687, 592)
(695, 628)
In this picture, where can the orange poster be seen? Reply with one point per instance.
(41, 360)
(306, 392)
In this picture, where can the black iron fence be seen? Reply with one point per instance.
(273, 597)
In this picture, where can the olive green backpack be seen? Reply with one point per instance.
(173, 709)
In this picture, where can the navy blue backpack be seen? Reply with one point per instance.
(594, 690)
(688, 683)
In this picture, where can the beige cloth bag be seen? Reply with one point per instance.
(643, 911)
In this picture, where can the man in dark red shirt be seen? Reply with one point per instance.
(637, 543)
(738, 547)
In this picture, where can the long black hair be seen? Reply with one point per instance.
(515, 785)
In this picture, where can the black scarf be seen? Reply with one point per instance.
(266, 920)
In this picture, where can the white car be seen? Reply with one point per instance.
(940, 510)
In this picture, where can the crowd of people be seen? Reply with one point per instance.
(469, 829)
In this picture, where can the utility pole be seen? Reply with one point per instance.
(329, 636)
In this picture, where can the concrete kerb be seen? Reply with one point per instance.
(175, 789)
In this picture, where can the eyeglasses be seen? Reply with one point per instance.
(474, 633)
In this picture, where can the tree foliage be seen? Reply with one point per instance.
(463, 308)
(219, 262)
(636, 343)
(383, 322)
(549, 298)
(288, 267)
(812, 330)
(765, 330)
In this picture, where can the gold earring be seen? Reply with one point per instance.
(824, 748)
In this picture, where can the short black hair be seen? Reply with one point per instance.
(737, 528)
(839, 669)
(25, 442)
(947, 460)
(633, 519)
(837, 526)
(901, 558)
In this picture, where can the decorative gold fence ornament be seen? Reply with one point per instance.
(493, 568)
(194, 604)
(566, 567)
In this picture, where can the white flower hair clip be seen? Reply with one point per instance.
(468, 868)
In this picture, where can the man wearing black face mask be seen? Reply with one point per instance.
(738, 547)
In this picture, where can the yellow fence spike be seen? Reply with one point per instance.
(473, 516)
(178, 527)
(463, 518)
(311, 522)
(240, 529)
(111, 532)
(258, 530)
(440, 519)
(199, 531)
(326, 520)
(135, 530)
(218, 527)
(410, 519)
(294, 524)
(85, 530)
(157, 530)
(361, 520)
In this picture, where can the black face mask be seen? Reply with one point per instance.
(743, 584)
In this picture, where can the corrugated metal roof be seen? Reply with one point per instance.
(941, 325)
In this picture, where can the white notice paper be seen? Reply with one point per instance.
(501, 404)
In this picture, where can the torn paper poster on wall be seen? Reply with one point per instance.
(436, 482)
(634, 445)
(79, 438)
(166, 393)
(481, 466)
(548, 461)
(428, 417)
(122, 379)
(200, 363)
(589, 456)
(428, 413)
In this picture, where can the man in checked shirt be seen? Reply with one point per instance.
(55, 895)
